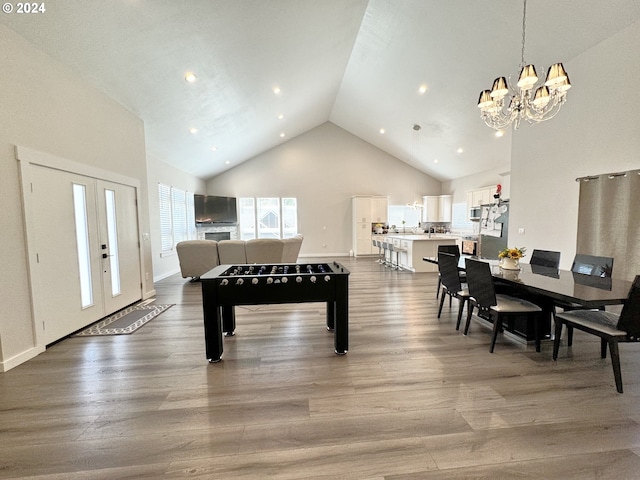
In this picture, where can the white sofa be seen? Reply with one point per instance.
(197, 257)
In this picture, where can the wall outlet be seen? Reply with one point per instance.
(521, 231)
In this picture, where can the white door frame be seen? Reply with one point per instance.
(27, 157)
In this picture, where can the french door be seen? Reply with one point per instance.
(84, 232)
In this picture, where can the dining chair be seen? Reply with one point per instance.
(610, 327)
(587, 266)
(592, 265)
(454, 250)
(451, 286)
(495, 307)
(545, 258)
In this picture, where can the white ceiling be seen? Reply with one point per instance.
(356, 63)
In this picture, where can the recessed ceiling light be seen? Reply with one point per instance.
(193, 130)
(282, 135)
(382, 131)
(423, 89)
(460, 150)
(276, 90)
(499, 133)
(227, 162)
(435, 160)
(213, 149)
(190, 77)
(280, 117)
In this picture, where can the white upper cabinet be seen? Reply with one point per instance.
(437, 208)
(379, 209)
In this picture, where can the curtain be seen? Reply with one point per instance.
(609, 220)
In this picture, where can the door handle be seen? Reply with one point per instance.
(104, 255)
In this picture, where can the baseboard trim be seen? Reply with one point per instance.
(19, 359)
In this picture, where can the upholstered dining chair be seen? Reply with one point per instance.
(545, 258)
(495, 307)
(454, 250)
(451, 286)
(610, 327)
(587, 266)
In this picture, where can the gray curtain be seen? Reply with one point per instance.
(609, 220)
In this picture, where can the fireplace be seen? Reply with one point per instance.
(217, 236)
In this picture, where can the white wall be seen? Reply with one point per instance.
(597, 131)
(460, 186)
(45, 107)
(323, 169)
(161, 172)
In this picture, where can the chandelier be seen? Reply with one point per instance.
(523, 102)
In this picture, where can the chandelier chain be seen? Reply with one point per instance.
(524, 25)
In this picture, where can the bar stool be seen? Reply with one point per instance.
(398, 251)
(392, 248)
(385, 249)
(378, 244)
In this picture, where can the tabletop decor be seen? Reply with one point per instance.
(510, 258)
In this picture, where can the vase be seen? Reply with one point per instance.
(510, 264)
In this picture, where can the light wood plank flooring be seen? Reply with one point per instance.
(413, 398)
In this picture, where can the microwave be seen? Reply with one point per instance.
(475, 213)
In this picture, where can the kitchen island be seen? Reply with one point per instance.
(412, 248)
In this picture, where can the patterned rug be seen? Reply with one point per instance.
(125, 321)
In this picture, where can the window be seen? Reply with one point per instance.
(82, 237)
(177, 218)
(268, 218)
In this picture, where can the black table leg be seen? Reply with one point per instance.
(229, 320)
(212, 325)
(341, 324)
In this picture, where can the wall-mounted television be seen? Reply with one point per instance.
(212, 209)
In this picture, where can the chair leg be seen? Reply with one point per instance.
(438, 289)
(469, 313)
(497, 325)
(462, 302)
(615, 362)
(603, 348)
(556, 339)
(441, 302)
(569, 335)
(537, 319)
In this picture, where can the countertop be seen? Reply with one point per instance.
(421, 236)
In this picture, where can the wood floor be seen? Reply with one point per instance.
(413, 398)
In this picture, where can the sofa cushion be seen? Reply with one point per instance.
(232, 252)
(291, 249)
(197, 257)
(264, 250)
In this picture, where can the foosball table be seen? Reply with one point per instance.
(226, 286)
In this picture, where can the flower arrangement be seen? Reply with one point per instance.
(515, 253)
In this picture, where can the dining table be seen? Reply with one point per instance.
(548, 286)
(560, 285)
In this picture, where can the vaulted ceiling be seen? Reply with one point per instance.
(356, 63)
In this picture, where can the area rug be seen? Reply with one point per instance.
(125, 321)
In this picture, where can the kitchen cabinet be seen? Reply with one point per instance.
(481, 196)
(379, 209)
(367, 210)
(437, 208)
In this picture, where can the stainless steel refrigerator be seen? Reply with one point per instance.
(494, 229)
